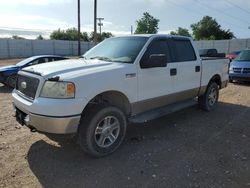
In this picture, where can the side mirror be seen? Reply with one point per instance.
(155, 60)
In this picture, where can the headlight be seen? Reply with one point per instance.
(58, 90)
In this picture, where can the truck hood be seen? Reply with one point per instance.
(240, 64)
(70, 68)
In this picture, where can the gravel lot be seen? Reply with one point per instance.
(190, 148)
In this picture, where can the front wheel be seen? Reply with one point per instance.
(102, 129)
(209, 100)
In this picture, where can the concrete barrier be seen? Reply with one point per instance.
(10, 48)
(225, 46)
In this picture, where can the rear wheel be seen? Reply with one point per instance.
(209, 100)
(11, 81)
(102, 129)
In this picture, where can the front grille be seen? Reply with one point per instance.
(242, 70)
(27, 86)
(246, 70)
(237, 70)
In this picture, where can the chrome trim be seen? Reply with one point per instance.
(40, 85)
(131, 75)
(24, 96)
(54, 125)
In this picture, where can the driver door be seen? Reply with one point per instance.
(156, 86)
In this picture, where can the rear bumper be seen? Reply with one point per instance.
(240, 77)
(47, 124)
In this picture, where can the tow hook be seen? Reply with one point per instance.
(32, 129)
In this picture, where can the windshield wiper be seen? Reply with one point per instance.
(101, 58)
(120, 61)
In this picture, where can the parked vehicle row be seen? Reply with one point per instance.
(231, 56)
(121, 80)
(240, 67)
(8, 74)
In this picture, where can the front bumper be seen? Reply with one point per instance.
(47, 124)
(48, 115)
(239, 77)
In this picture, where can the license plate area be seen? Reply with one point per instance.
(20, 116)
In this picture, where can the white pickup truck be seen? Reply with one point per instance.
(121, 80)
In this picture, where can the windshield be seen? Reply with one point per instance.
(121, 49)
(25, 61)
(243, 56)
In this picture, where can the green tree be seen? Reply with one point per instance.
(58, 35)
(40, 37)
(101, 37)
(209, 29)
(85, 37)
(72, 34)
(17, 37)
(181, 31)
(69, 34)
(147, 24)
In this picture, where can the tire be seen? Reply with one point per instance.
(102, 129)
(209, 100)
(230, 81)
(11, 81)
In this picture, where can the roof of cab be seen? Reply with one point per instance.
(156, 35)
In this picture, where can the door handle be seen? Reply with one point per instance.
(173, 72)
(197, 68)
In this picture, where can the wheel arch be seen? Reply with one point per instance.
(111, 97)
(217, 79)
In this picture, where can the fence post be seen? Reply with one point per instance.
(32, 48)
(72, 48)
(229, 46)
(8, 48)
(247, 43)
(54, 50)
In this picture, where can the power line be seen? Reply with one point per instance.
(202, 14)
(79, 25)
(221, 12)
(235, 5)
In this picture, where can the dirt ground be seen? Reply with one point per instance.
(190, 148)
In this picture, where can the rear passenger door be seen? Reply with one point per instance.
(188, 68)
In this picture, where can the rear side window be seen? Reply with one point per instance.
(182, 50)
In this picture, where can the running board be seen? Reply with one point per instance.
(159, 112)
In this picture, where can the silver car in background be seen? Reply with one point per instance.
(240, 67)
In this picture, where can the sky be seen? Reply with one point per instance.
(29, 18)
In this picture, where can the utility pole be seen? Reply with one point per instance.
(100, 24)
(95, 17)
(79, 28)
